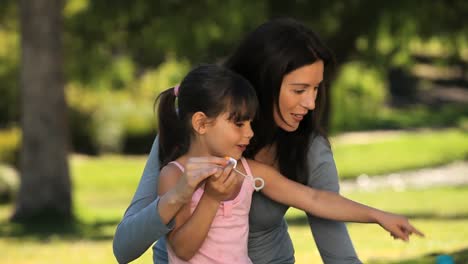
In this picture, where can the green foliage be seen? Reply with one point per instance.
(9, 49)
(102, 122)
(112, 120)
(421, 116)
(9, 183)
(358, 95)
(463, 123)
(167, 74)
(9, 152)
(147, 32)
(142, 47)
(10, 140)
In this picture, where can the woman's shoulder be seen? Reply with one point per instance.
(259, 168)
(319, 143)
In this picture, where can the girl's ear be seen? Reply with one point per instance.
(199, 122)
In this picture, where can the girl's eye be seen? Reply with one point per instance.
(239, 124)
(299, 91)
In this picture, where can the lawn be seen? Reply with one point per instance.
(103, 187)
(441, 213)
(399, 152)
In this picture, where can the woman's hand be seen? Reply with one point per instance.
(398, 226)
(197, 169)
(222, 187)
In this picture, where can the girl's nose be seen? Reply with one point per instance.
(249, 132)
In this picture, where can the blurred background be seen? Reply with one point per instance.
(398, 115)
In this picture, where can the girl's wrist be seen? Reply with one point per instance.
(210, 199)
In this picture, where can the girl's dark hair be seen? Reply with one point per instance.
(210, 89)
(266, 55)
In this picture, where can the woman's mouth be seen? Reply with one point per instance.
(297, 117)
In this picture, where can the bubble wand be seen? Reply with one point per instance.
(254, 180)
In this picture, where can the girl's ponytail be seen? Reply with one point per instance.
(170, 128)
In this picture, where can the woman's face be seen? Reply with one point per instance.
(297, 95)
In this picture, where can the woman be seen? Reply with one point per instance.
(286, 63)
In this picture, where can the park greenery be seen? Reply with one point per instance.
(118, 57)
(104, 186)
(400, 65)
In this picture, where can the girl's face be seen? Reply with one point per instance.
(227, 138)
(297, 95)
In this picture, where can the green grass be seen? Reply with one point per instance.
(104, 186)
(441, 213)
(403, 152)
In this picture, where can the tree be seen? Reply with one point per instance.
(45, 189)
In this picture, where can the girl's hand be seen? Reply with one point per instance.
(222, 187)
(398, 226)
(198, 169)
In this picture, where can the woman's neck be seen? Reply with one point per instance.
(267, 155)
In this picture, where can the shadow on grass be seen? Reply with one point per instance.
(66, 230)
(301, 220)
(460, 256)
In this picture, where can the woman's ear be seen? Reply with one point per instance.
(199, 122)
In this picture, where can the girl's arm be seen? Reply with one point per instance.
(190, 231)
(328, 204)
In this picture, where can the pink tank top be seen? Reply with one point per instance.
(226, 241)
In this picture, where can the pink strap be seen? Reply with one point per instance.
(176, 90)
(178, 165)
(246, 166)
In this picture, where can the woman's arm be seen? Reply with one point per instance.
(141, 225)
(328, 204)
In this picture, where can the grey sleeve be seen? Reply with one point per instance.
(141, 225)
(331, 237)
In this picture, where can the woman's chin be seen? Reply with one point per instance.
(289, 128)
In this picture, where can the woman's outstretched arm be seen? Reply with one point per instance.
(329, 204)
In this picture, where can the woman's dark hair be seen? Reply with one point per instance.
(266, 55)
(210, 89)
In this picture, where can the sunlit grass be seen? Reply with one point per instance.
(104, 186)
(440, 213)
(404, 152)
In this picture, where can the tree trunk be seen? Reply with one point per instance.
(45, 189)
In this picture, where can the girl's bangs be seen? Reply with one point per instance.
(242, 107)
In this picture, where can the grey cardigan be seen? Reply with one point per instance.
(269, 241)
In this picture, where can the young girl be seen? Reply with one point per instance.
(210, 115)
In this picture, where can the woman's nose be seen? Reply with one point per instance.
(308, 102)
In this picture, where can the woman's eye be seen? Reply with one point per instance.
(239, 124)
(299, 91)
